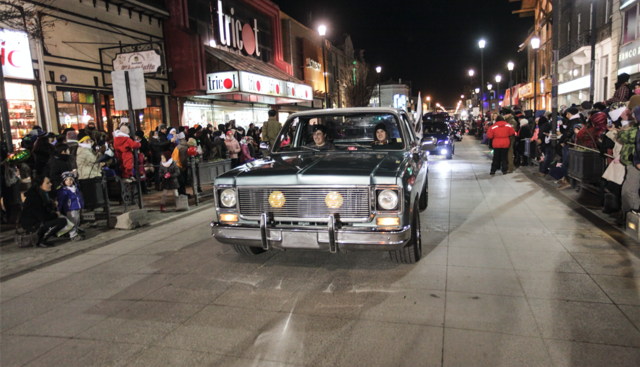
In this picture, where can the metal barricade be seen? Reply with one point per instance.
(204, 174)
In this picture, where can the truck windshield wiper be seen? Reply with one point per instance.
(306, 147)
(353, 145)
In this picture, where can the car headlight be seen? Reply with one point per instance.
(228, 198)
(388, 199)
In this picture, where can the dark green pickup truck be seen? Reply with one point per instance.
(348, 179)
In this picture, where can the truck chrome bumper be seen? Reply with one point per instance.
(323, 238)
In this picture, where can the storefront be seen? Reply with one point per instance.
(245, 93)
(21, 87)
(149, 118)
(201, 111)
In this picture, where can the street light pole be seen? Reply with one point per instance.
(322, 30)
(429, 103)
(510, 67)
(482, 43)
(379, 70)
(498, 80)
(535, 44)
(471, 80)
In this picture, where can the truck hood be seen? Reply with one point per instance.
(320, 168)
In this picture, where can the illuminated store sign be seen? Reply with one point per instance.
(15, 54)
(242, 81)
(234, 34)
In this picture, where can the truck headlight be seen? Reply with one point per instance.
(388, 199)
(228, 198)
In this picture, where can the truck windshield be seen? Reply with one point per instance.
(378, 131)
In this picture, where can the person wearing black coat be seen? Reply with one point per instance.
(58, 164)
(145, 147)
(159, 145)
(39, 212)
(42, 152)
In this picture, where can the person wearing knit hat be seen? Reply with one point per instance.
(70, 203)
(192, 142)
(124, 147)
(87, 161)
(181, 157)
(523, 133)
(170, 174)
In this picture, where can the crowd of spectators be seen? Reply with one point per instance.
(608, 129)
(56, 163)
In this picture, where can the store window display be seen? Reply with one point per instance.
(75, 109)
(21, 103)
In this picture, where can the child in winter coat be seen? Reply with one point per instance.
(124, 146)
(169, 172)
(70, 203)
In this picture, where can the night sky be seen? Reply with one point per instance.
(431, 43)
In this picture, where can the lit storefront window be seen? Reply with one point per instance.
(244, 114)
(149, 118)
(21, 104)
(75, 109)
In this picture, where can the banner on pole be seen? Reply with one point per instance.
(136, 87)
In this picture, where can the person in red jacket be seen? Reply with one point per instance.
(124, 146)
(500, 133)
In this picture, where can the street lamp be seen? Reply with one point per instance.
(322, 31)
(471, 72)
(535, 45)
(489, 86)
(429, 103)
(498, 80)
(379, 70)
(510, 67)
(481, 44)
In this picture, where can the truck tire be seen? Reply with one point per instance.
(248, 250)
(412, 252)
(423, 202)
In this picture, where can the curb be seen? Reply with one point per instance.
(113, 239)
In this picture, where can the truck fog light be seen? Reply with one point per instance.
(277, 199)
(228, 217)
(386, 222)
(333, 200)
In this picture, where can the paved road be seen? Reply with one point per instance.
(511, 277)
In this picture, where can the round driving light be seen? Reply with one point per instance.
(276, 199)
(333, 200)
(388, 199)
(228, 198)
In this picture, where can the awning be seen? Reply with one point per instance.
(250, 64)
(251, 78)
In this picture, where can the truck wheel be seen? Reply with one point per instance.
(412, 252)
(424, 196)
(248, 250)
(450, 155)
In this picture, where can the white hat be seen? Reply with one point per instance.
(524, 121)
(180, 136)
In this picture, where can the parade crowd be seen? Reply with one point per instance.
(55, 163)
(609, 128)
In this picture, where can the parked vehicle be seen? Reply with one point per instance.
(358, 189)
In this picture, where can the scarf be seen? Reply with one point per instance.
(167, 163)
(119, 133)
(85, 145)
(72, 188)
